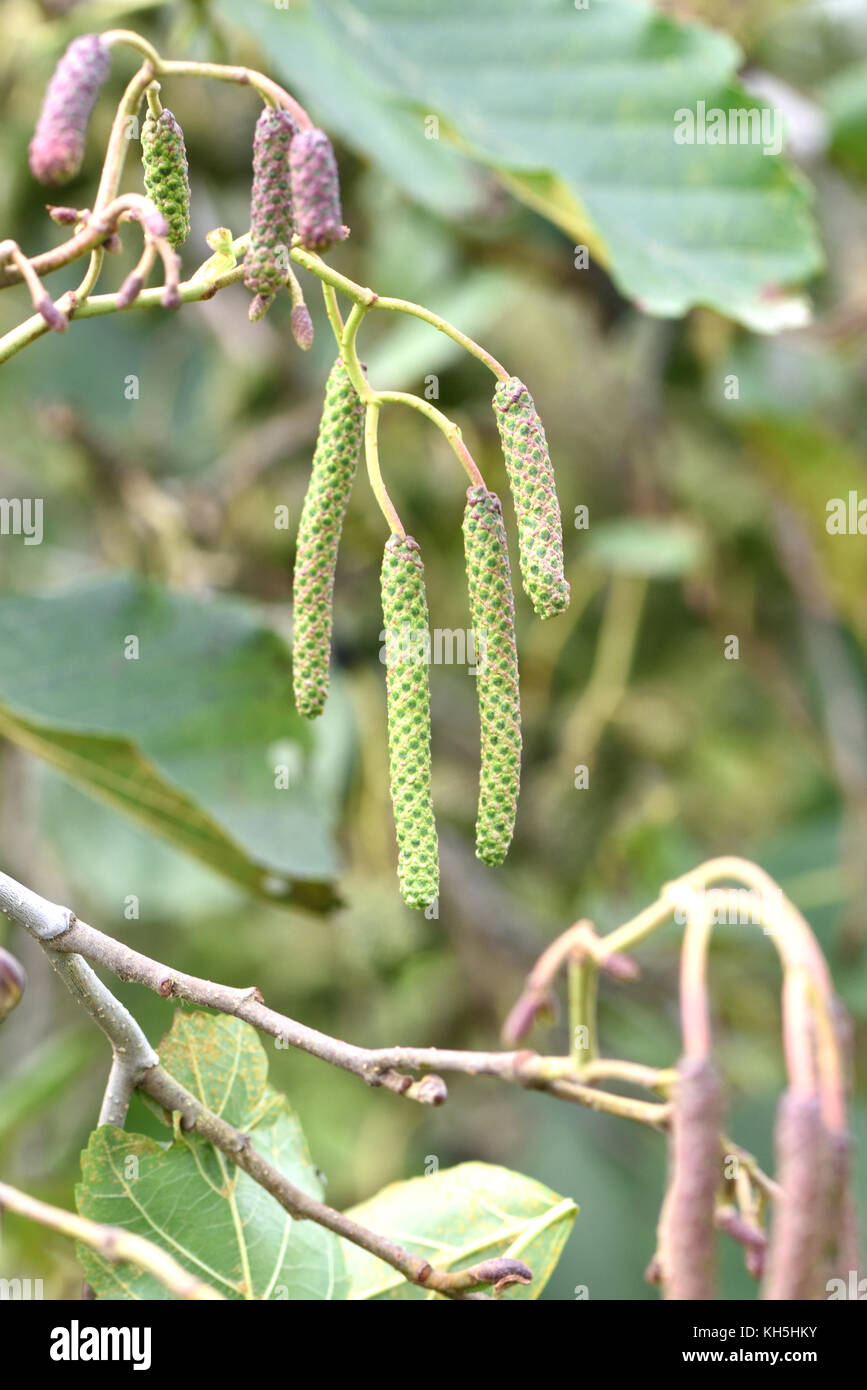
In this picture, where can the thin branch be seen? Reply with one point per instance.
(111, 1242)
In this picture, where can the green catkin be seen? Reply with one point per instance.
(166, 173)
(531, 478)
(335, 460)
(492, 609)
(686, 1229)
(407, 638)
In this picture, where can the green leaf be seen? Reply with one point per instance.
(575, 111)
(457, 1217)
(191, 1200)
(845, 99)
(185, 738)
(660, 549)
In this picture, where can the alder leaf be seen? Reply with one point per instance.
(574, 109)
(186, 737)
(191, 1200)
(457, 1217)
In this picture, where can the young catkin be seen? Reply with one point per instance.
(531, 478)
(686, 1231)
(405, 617)
(492, 608)
(341, 430)
(271, 222)
(166, 172)
(795, 1267)
(316, 190)
(57, 147)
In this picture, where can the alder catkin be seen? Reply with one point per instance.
(271, 222)
(57, 147)
(166, 173)
(335, 460)
(492, 609)
(795, 1267)
(316, 190)
(407, 637)
(687, 1238)
(534, 492)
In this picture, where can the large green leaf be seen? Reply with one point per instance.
(457, 1217)
(574, 109)
(186, 738)
(189, 1199)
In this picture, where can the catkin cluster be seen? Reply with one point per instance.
(686, 1228)
(335, 461)
(531, 478)
(57, 147)
(166, 173)
(405, 617)
(492, 609)
(271, 218)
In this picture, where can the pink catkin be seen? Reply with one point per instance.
(316, 190)
(57, 147)
(687, 1238)
(795, 1266)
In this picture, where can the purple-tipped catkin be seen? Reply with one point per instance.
(53, 316)
(271, 225)
(129, 290)
(57, 147)
(316, 190)
(795, 1267)
(686, 1231)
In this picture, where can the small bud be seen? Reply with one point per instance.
(316, 190)
(153, 221)
(113, 244)
(13, 982)
(302, 327)
(532, 1005)
(171, 298)
(52, 315)
(129, 290)
(431, 1090)
(57, 147)
(64, 217)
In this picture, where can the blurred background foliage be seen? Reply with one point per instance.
(707, 519)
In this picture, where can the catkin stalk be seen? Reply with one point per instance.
(534, 492)
(407, 637)
(795, 1266)
(686, 1232)
(166, 173)
(335, 460)
(492, 609)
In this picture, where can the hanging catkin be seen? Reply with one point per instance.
(531, 478)
(407, 636)
(316, 190)
(271, 225)
(492, 609)
(57, 147)
(795, 1266)
(335, 460)
(166, 172)
(686, 1228)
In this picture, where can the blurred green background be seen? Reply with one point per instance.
(707, 519)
